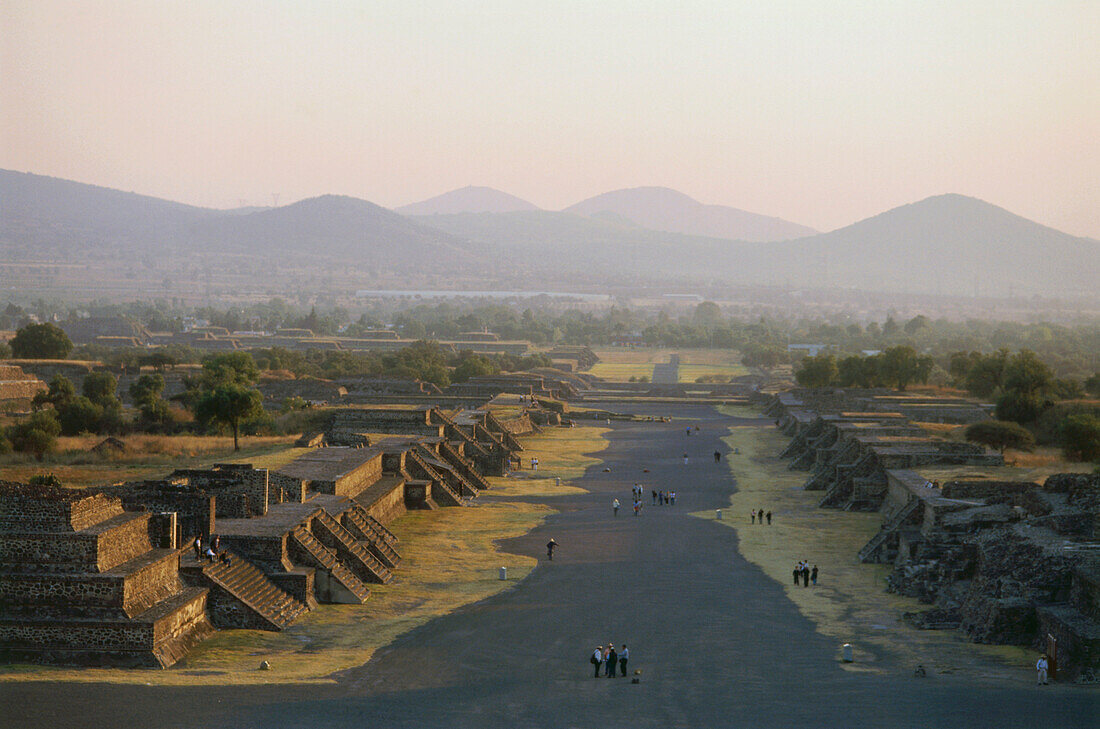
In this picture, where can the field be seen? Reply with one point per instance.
(450, 558)
(850, 603)
(619, 364)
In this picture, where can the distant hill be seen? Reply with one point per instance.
(659, 208)
(947, 244)
(468, 200)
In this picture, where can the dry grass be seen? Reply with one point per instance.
(850, 603)
(450, 558)
(620, 364)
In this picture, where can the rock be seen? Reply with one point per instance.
(265, 666)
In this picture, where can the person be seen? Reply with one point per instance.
(672, 498)
(805, 574)
(603, 659)
(769, 518)
(519, 463)
(534, 464)
(1041, 667)
(688, 431)
(624, 656)
(760, 512)
(210, 555)
(654, 496)
(615, 506)
(717, 456)
(612, 661)
(753, 516)
(813, 576)
(198, 548)
(597, 659)
(550, 549)
(637, 506)
(685, 459)
(216, 542)
(797, 572)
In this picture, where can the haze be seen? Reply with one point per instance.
(819, 113)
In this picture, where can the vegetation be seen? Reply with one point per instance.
(1000, 434)
(1081, 437)
(41, 341)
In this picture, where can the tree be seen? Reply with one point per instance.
(986, 374)
(1092, 384)
(1019, 407)
(902, 365)
(229, 368)
(1026, 374)
(857, 371)
(707, 313)
(1080, 436)
(147, 389)
(41, 341)
(819, 371)
(60, 392)
(1000, 434)
(101, 388)
(473, 366)
(228, 405)
(80, 415)
(37, 434)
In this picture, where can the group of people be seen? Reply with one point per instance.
(759, 514)
(803, 572)
(212, 552)
(519, 463)
(607, 659)
(664, 498)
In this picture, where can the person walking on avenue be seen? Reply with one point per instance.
(813, 576)
(534, 464)
(1041, 667)
(753, 517)
(615, 506)
(612, 661)
(760, 512)
(717, 456)
(769, 518)
(654, 496)
(805, 574)
(550, 549)
(685, 459)
(597, 659)
(672, 498)
(624, 656)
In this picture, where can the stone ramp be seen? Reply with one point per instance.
(349, 550)
(313, 553)
(242, 596)
(360, 527)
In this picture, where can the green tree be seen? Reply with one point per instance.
(59, 393)
(147, 389)
(708, 313)
(1080, 436)
(987, 373)
(902, 365)
(41, 341)
(80, 415)
(819, 371)
(857, 371)
(473, 366)
(36, 435)
(1019, 407)
(1000, 434)
(101, 389)
(229, 368)
(1026, 374)
(1092, 384)
(228, 405)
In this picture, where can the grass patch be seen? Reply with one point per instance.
(564, 452)
(850, 603)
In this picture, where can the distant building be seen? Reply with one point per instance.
(811, 350)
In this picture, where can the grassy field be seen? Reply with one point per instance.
(619, 364)
(146, 457)
(450, 558)
(849, 604)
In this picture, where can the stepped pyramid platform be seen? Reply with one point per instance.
(80, 583)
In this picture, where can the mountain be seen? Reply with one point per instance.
(659, 208)
(469, 199)
(950, 244)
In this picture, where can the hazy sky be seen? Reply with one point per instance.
(818, 112)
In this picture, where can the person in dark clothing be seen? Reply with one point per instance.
(769, 515)
(550, 549)
(654, 496)
(813, 575)
(717, 456)
(612, 662)
(198, 548)
(597, 660)
(761, 513)
(805, 575)
(624, 656)
(797, 572)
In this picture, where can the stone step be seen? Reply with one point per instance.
(325, 558)
(360, 527)
(251, 587)
(349, 551)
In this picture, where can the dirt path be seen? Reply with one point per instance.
(718, 642)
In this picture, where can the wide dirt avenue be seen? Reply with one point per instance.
(718, 642)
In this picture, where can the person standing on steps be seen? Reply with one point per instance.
(550, 549)
(624, 656)
(813, 576)
(198, 548)
(612, 661)
(615, 507)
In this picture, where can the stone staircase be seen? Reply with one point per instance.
(870, 551)
(358, 523)
(441, 492)
(350, 550)
(318, 555)
(463, 464)
(250, 587)
(464, 486)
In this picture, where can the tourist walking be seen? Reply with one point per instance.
(805, 574)
(685, 459)
(612, 661)
(1041, 667)
(753, 517)
(717, 456)
(550, 549)
(637, 507)
(769, 518)
(597, 659)
(624, 656)
(615, 506)
(672, 498)
(534, 464)
(813, 576)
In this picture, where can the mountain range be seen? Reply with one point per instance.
(948, 244)
(468, 199)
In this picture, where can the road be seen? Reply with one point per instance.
(717, 642)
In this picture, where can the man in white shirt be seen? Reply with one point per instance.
(597, 659)
(615, 506)
(624, 656)
(1041, 667)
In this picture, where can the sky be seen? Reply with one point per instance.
(822, 113)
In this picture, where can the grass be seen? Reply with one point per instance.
(850, 603)
(450, 558)
(147, 457)
(621, 363)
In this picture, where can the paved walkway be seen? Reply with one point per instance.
(717, 641)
